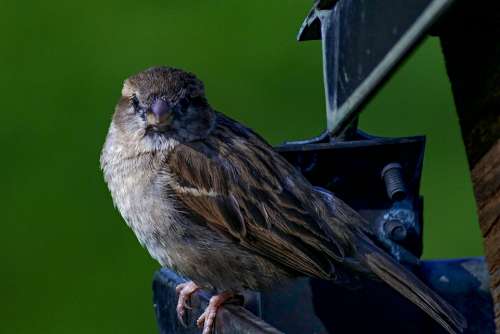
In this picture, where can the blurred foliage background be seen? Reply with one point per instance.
(68, 262)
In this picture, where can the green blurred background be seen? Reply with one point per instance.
(68, 263)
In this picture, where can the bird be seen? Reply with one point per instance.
(210, 199)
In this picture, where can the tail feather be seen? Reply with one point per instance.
(406, 283)
(389, 270)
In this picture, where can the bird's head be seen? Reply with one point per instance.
(163, 104)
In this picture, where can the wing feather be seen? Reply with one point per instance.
(242, 188)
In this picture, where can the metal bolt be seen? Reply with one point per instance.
(394, 183)
(395, 230)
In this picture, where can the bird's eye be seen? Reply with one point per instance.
(135, 102)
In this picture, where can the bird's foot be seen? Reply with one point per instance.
(184, 290)
(207, 319)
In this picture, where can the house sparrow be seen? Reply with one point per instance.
(210, 199)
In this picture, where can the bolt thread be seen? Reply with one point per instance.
(394, 184)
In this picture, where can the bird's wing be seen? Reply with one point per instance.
(240, 187)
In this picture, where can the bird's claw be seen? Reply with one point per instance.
(184, 290)
(180, 317)
(207, 318)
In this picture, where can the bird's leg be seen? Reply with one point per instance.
(184, 290)
(207, 319)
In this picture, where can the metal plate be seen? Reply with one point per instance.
(363, 40)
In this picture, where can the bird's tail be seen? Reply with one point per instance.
(406, 283)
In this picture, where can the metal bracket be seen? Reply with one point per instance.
(362, 44)
(358, 172)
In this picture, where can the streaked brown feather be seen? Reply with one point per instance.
(260, 206)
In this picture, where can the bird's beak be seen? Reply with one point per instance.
(160, 113)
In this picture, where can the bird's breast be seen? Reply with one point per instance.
(140, 190)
